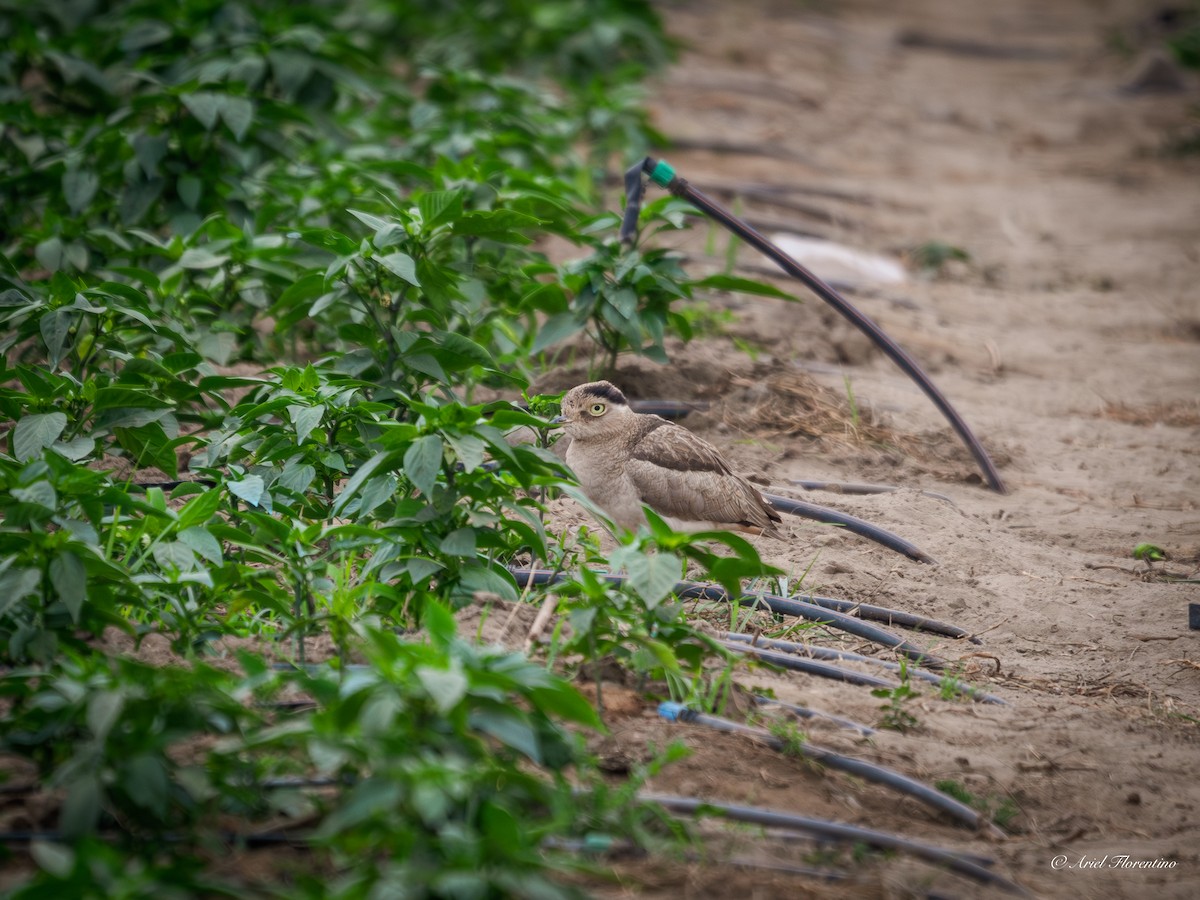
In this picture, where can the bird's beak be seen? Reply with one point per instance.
(559, 420)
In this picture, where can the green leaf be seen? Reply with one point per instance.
(456, 351)
(460, 542)
(368, 799)
(81, 810)
(238, 114)
(401, 265)
(469, 449)
(199, 509)
(439, 207)
(126, 398)
(189, 188)
(439, 623)
(249, 489)
(218, 346)
(149, 149)
(624, 300)
(201, 541)
(146, 783)
(55, 326)
(446, 687)
(35, 433)
(205, 106)
(143, 34)
(305, 418)
(297, 477)
(79, 187)
(70, 581)
(16, 585)
(376, 491)
(137, 198)
(40, 493)
(174, 556)
(558, 327)
(511, 728)
(290, 70)
(493, 222)
(103, 710)
(484, 579)
(50, 253)
(390, 235)
(55, 859)
(358, 479)
(148, 444)
(423, 462)
(370, 220)
(202, 258)
(74, 449)
(653, 575)
(565, 702)
(419, 568)
(502, 829)
(738, 285)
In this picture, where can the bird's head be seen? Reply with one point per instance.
(591, 411)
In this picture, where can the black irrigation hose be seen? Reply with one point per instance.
(850, 523)
(810, 666)
(830, 618)
(806, 712)
(691, 590)
(963, 863)
(663, 175)
(897, 781)
(143, 486)
(890, 616)
(858, 489)
(814, 651)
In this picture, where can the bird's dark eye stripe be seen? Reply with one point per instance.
(609, 392)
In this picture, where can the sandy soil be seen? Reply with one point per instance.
(1069, 342)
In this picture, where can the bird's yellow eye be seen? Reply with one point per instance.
(598, 409)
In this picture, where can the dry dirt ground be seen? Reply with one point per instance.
(1070, 341)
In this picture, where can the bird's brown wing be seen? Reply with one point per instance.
(681, 475)
(671, 447)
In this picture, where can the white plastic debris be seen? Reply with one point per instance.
(837, 262)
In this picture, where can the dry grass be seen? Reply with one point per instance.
(794, 404)
(1176, 415)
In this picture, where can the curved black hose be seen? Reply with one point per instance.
(814, 651)
(856, 488)
(963, 863)
(806, 712)
(850, 523)
(889, 616)
(809, 666)
(691, 590)
(897, 781)
(680, 188)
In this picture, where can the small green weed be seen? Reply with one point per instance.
(895, 716)
(790, 736)
(932, 256)
(1000, 809)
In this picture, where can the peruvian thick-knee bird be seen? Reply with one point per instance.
(624, 459)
